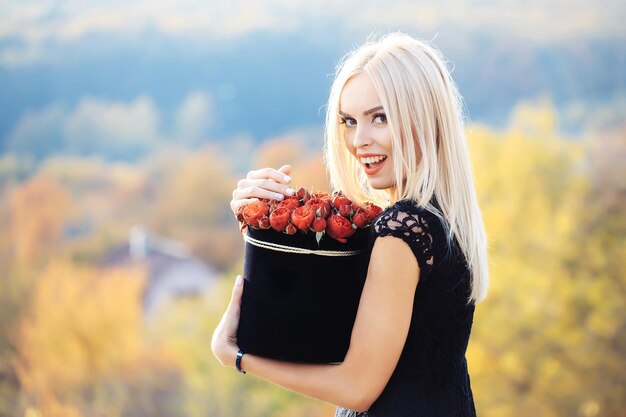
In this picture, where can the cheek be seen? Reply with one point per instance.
(347, 140)
(387, 142)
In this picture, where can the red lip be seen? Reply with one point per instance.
(375, 169)
(366, 155)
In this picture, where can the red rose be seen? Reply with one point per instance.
(279, 219)
(302, 217)
(291, 229)
(339, 200)
(291, 203)
(321, 207)
(360, 218)
(339, 228)
(345, 210)
(372, 210)
(254, 212)
(322, 196)
(319, 225)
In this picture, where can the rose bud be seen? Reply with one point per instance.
(345, 210)
(302, 217)
(254, 211)
(291, 229)
(301, 193)
(339, 228)
(321, 207)
(264, 222)
(360, 218)
(339, 201)
(279, 219)
(319, 225)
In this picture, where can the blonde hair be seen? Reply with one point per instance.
(423, 110)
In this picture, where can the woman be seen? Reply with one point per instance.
(394, 135)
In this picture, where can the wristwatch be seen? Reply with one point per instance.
(238, 361)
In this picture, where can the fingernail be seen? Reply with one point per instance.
(239, 280)
(278, 196)
(290, 191)
(287, 178)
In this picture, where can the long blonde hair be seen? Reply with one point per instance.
(423, 109)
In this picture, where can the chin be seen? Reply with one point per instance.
(380, 185)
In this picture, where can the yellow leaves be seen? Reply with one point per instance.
(607, 316)
(552, 326)
(83, 325)
(535, 119)
(589, 408)
(38, 211)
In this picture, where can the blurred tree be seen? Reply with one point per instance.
(191, 203)
(14, 168)
(550, 335)
(16, 282)
(39, 208)
(308, 167)
(81, 348)
(595, 306)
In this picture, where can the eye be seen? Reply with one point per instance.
(380, 118)
(348, 121)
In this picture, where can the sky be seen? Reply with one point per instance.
(27, 26)
(124, 75)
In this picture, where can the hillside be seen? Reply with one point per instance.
(119, 98)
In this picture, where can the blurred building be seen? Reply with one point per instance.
(173, 272)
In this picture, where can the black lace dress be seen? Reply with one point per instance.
(431, 377)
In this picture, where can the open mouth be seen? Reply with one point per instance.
(372, 162)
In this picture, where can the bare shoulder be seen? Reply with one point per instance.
(392, 258)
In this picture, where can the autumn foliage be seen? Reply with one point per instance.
(548, 341)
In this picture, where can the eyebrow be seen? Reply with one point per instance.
(365, 113)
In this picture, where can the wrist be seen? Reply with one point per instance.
(226, 353)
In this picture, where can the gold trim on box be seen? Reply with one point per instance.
(300, 251)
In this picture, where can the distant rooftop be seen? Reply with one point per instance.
(173, 271)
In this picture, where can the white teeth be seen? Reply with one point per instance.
(372, 159)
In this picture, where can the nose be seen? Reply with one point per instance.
(362, 136)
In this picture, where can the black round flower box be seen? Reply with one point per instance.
(299, 305)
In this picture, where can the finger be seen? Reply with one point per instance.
(236, 204)
(261, 189)
(235, 298)
(270, 173)
(285, 169)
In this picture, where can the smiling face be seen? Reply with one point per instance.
(367, 134)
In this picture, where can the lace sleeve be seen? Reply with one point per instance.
(415, 230)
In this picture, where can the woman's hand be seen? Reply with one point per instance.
(262, 183)
(224, 342)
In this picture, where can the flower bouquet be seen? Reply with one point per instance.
(303, 275)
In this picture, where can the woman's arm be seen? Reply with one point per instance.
(378, 336)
